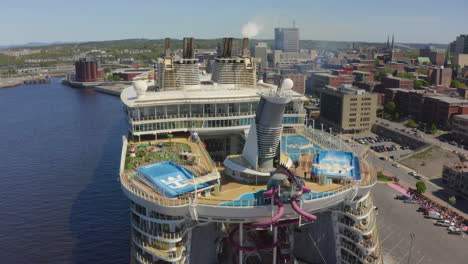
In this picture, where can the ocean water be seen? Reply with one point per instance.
(61, 201)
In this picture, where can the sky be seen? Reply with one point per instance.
(412, 21)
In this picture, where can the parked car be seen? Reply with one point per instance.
(454, 230)
(423, 209)
(382, 158)
(412, 173)
(396, 165)
(446, 223)
(402, 197)
(434, 215)
(410, 201)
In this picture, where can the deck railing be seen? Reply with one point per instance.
(160, 234)
(167, 254)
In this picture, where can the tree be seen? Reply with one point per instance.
(452, 200)
(382, 72)
(433, 128)
(107, 70)
(421, 187)
(377, 62)
(390, 107)
(116, 78)
(457, 84)
(412, 123)
(396, 116)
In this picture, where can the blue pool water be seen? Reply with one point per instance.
(255, 198)
(170, 177)
(291, 145)
(337, 158)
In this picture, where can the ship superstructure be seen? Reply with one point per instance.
(290, 193)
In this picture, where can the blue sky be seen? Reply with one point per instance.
(422, 21)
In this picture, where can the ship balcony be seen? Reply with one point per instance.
(363, 227)
(352, 248)
(160, 235)
(166, 255)
(361, 211)
(145, 119)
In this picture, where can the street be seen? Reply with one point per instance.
(397, 220)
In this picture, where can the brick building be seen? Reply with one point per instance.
(86, 71)
(436, 55)
(456, 177)
(440, 110)
(318, 81)
(362, 76)
(439, 76)
(460, 127)
(396, 82)
(368, 86)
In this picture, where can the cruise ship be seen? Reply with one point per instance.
(222, 168)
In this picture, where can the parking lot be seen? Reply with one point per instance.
(384, 145)
(431, 244)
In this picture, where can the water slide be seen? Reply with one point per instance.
(298, 210)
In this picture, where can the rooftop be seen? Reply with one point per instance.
(203, 92)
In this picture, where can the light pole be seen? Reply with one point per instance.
(412, 235)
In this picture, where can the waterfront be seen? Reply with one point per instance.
(61, 200)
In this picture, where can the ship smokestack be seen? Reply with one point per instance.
(167, 44)
(227, 47)
(188, 48)
(245, 46)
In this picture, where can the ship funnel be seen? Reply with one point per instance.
(188, 48)
(167, 45)
(245, 46)
(227, 47)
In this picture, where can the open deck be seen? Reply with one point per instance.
(228, 189)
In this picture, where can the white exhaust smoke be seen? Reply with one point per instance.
(250, 30)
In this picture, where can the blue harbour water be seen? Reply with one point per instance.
(60, 198)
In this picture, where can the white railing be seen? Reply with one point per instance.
(170, 255)
(142, 228)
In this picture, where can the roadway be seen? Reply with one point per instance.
(431, 244)
(429, 138)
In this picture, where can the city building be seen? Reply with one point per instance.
(283, 59)
(440, 110)
(460, 59)
(435, 55)
(287, 39)
(360, 76)
(460, 127)
(317, 81)
(180, 201)
(86, 70)
(396, 82)
(261, 53)
(299, 82)
(439, 76)
(461, 44)
(456, 177)
(348, 109)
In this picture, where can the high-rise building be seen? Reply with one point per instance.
(348, 109)
(261, 52)
(461, 44)
(287, 39)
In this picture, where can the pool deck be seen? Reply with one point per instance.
(230, 188)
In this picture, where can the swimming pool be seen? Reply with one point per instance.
(295, 144)
(337, 164)
(256, 198)
(168, 177)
